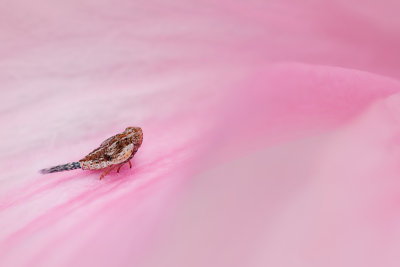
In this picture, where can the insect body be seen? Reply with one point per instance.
(115, 151)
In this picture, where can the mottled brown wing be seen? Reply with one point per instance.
(98, 154)
(118, 152)
(107, 141)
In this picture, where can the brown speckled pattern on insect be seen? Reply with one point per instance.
(116, 150)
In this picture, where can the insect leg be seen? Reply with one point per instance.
(130, 165)
(120, 167)
(107, 172)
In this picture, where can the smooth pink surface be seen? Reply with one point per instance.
(271, 133)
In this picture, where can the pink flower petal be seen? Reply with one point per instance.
(270, 133)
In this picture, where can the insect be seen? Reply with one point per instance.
(115, 151)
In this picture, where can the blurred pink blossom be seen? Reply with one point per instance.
(271, 133)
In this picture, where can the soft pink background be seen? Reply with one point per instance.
(271, 132)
